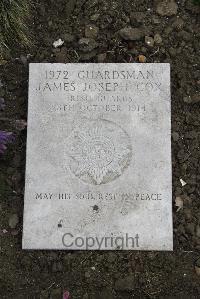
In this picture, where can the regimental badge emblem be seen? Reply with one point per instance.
(99, 151)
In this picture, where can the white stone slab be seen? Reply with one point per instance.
(98, 168)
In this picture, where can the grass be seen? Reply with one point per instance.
(13, 25)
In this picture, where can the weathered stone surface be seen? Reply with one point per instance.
(98, 157)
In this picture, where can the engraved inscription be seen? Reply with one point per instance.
(99, 151)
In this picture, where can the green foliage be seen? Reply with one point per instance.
(196, 1)
(13, 24)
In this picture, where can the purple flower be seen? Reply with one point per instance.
(2, 104)
(66, 295)
(5, 137)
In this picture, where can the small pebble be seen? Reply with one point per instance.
(95, 17)
(129, 33)
(142, 58)
(87, 275)
(87, 44)
(20, 124)
(157, 39)
(101, 57)
(58, 43)
(155, 20)
(14, 232)
(198, 231)
(167, 8)
(179, 203)
(178, 24)
(183, 183)
(137, 18)
(172, 52)
(149, 41)
(91, 31)
(13, 221)
(175, 136)
(197, 266)
(23, 59)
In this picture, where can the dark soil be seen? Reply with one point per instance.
(106, 275)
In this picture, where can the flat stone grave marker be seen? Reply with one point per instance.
(98, 165)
